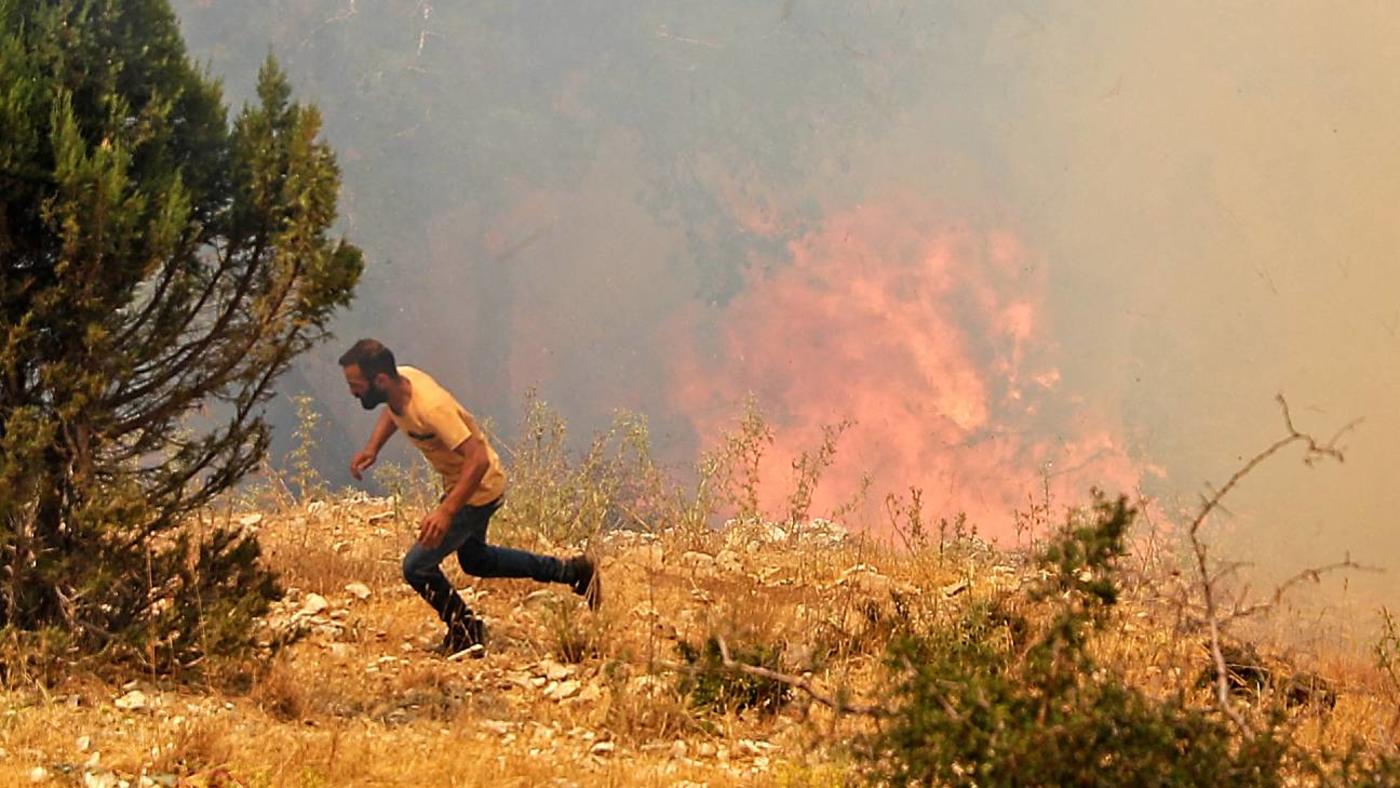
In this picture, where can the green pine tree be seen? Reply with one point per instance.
(159, 269)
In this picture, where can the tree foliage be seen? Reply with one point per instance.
(161, 268)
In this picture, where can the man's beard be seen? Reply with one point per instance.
(373, 398)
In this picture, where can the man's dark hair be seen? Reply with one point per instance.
(372, 358)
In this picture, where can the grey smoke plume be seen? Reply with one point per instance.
(1205, 189)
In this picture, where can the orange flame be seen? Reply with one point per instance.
(932, 337)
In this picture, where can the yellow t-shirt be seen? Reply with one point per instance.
(437, 424)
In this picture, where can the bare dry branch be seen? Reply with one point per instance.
(1314, 451)
(838, 705)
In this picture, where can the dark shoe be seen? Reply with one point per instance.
(585, 580)
(468, 635)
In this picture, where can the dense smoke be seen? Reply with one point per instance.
(1085, 244)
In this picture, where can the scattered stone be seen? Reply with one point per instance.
(84, 742)
(953, 589)
(679, 749)
(754, 747)
(602, 748)
(648, 685)
(565, 690)
(38, 774)
(313, 604)
(697, 560)
(554, 671)
(250, 520)
(132, 701)
(474, 652)
(864, 578)
(359, 590)
(729, 561)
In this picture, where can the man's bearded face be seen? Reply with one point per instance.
(373, 397)
(364, 389)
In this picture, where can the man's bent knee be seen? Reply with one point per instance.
(418, 566)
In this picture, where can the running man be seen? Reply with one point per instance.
(474, 482)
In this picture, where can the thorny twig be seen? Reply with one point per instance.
(1314, 574)
(1314, 452)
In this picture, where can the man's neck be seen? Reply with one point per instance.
(399, 395)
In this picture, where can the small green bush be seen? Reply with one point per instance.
(713, 686)
(997, 699)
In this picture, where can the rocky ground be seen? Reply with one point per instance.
(562, 696)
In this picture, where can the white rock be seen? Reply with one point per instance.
(729, 561)
(953, 589)
(358, 590)
(554, 671)
(697, 560)
(472, 652)
(602, 748)
(84, 742)
(136, 699)
(864, 578)
(679, 749)
(313, 604)
(250, 520)
(566, 689)
(648, 685)
(754, 746)
(38, 774)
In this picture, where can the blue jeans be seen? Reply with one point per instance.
(466, 536)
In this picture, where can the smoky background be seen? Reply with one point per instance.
(1101, 236)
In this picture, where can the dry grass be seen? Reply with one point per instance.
(366, 705)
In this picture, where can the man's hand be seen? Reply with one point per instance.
(433, 527)
(361, 462)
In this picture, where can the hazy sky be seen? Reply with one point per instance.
(1128, 222)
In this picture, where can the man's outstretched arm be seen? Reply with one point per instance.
(383, 430)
